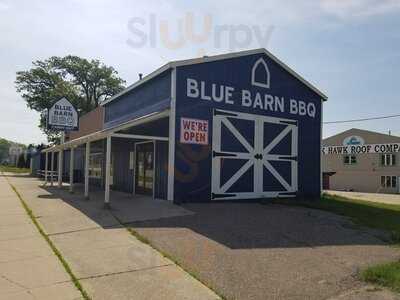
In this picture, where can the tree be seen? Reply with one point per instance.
(85, 83)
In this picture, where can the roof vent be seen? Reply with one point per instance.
(140, 76)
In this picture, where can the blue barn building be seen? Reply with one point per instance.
(235, 126)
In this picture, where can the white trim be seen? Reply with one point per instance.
(320, 154)
(87, 166)
(154, 165)
(60, 167)
(143, 142)
(138, 83)
(193, 61)
(52, 169)
(134, 171)
(221, 192)
(71, 170)
(253, 74)
(46, 166)
(140, 137)
(99, 135)
(171, 141)
(108, 171)
(154, 170)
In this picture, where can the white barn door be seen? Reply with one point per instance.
(253, 156)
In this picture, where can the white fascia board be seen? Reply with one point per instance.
(205, 59)
(138, 83)
(246, 53)
(108, 132)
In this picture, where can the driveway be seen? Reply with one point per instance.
(372, 197)
(254, 251)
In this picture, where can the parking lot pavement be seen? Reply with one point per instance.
(372, 197)
(28, 267)
(109, 262)
(253, 251)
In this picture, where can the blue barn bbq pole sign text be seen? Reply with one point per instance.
(63, 116)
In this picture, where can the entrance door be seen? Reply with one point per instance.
(144, 175)
(253, 156)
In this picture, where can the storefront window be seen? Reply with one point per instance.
(95, 163)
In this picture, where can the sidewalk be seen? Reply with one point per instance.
(28, 267)
(109, 262)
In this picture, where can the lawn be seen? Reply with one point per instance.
(11, 169)
(370, 214)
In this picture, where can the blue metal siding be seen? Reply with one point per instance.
(122, 175)
(152, 96)
(161, 171)
(79, 165)
(193, 162)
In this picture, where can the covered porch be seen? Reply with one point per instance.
(132, 157)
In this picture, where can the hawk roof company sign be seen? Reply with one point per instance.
(63, 116)
(362, 149)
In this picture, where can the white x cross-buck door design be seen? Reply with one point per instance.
(253, 156)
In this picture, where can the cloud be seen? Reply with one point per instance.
(345, 9)
(3, 6)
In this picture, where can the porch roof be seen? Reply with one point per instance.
(98, 135)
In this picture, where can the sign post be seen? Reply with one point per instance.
(63, 116)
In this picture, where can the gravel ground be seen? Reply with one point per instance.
(254, 251)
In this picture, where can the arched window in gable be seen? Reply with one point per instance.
(260, 75)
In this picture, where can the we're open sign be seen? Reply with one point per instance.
(194, 131)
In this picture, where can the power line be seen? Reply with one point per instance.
(360, 120)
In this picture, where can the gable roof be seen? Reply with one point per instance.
(204, 59)
(356, 131)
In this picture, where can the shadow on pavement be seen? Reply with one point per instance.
(234, 225)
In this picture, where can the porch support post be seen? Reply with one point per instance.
(71, 171)
(46, 166)
(60, 167)
(52, 168)
(108, 169)
(171, 141)
(87, 156)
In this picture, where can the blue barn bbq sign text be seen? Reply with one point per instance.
(63, 116)
(246, 127)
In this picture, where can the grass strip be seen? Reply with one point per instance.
(387, 275)
(52, 246)
(11, 169)
(365, 213)
(370, 214)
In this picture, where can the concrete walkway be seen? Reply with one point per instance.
(372, 197)
(109, 262)
(28, 267)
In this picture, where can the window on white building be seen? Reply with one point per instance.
(388, 160)
(389, 181)
(350, 159)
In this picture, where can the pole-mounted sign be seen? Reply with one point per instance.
(63, 116)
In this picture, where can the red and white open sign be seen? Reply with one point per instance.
(194, 131)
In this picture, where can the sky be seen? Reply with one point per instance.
(349, 49)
